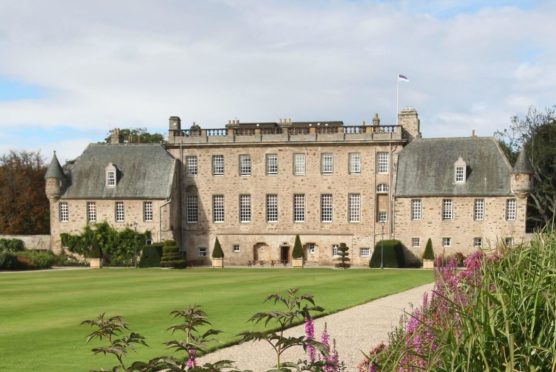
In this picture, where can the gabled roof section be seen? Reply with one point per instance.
(426, 168)
(522, 164)
(145, 171)
(54, 169)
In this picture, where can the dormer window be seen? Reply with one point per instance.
(111, 175)
(460, 171)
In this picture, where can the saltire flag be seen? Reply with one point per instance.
(402, 77)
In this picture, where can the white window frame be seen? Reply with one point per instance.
(335, 250)
(203, 252)
(447, 241)
(191, 165)
(327, 163)
(91, 212)
(311, 248)
(459, 174)
(415, 242)
(382, 217)
(479, 209)
(245, 165)
(382, 162)
(236, 248)
(416, 209)
(477, 242)
(218, 208)
(447, 209)
(119, 212)
(354, 208)
(298, 164)
(245, 208)
(192, 208)
(354, 163)
(364, 252)
(326, 208)
(148, 211)
(271, 208)
(511, 209)
(271, 161)
(382, 188)
(508, 241)
(217, 165)
(111, 178)
(299, 208)
(63, 212)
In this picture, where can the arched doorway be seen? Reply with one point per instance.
(262, 252)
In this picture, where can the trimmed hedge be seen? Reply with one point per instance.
(429, 252)
(151, 255)
(217, 251)
(393, 254)
(297, 248)
(171, 256)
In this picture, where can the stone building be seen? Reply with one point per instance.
(256, 185)
(126, 185)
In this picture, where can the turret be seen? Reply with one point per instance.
(55, 179)
(174, 127)
(409, 120)
(521, 175)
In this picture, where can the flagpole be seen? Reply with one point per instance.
(397, 97)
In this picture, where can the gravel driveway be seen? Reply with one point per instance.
(355, 330)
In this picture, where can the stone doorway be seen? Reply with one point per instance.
(285, 254)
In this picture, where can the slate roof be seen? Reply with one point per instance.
(145, 171)
(426, 168)
(54, 169)
(522, 164)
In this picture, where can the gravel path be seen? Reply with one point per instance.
(355, 330)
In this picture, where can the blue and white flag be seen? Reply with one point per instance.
(402, 78)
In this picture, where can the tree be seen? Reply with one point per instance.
(536, 132)
(297, 248)
(343, 256)
(217, 250)
(137, 135)
(429, 252)
(24, 207)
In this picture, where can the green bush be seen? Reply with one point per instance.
(429, 252)
(35, 260)
(393, 254)
(217, 251)
(297, 248)
(343, 256)
(151, 255)
(171, 256)
(11, 245)
(8, 261)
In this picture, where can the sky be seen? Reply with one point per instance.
(72, 70)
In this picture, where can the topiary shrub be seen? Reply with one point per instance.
(35, 260)
(171, 256)
(429, 252)
(151, 255)
(297, 248)
(393, 254)
(217, 251)
(343, 256)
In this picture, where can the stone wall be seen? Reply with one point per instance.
(160, 226)
(41, 242)
(285, 184)
(493, 229)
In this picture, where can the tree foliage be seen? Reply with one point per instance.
(137, 135)
(24, 207)
(429, 252)
(536, 131)
(217, 250)
(343, 256)
(297, 248)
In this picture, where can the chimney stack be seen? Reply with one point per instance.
(115, 137)
(376, 120)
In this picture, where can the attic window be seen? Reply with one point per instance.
(460, 171)
(111, 175)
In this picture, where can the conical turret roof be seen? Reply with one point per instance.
(522, 164)
(54, 169)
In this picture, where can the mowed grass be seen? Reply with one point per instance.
(41, 312)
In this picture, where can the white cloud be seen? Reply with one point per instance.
(104, 64)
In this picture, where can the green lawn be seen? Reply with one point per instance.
(40, 312)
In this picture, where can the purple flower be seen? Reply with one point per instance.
(191, 361)
(309, 336)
